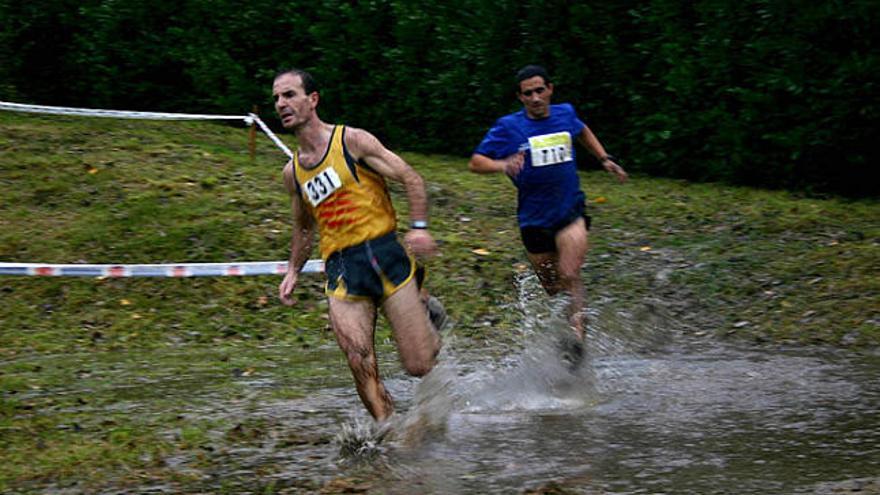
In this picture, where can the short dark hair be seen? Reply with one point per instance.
(308, 81)
(529, 72)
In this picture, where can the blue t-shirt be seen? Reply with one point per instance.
(548, 185)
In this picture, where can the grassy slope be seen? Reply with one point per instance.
(732, 262)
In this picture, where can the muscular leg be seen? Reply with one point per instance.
(562, 270)
(545, 266)
(354, 325)
(417, 342)
(572, 243)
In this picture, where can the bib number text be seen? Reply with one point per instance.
(550, 149)
(319, 187)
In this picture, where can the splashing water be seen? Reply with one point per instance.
(648, 410)
(532, 375)
(360, 440)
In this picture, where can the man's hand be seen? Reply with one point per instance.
(285, 289)
(513, 164)
(616, 170)
(420, 242)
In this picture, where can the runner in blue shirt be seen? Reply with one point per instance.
(534, 147)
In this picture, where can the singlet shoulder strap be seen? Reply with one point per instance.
(350, 162)
(294, 166)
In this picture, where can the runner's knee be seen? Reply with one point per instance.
(570, 266)
(569, 274)
(419, 368)
(422, 362)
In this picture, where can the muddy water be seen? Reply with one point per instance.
(649, 411)
(689, 420)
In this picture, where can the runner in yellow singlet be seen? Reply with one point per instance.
(337, 188)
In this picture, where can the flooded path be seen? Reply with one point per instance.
(651, 410)
(693, 419)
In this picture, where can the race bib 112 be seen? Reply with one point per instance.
(550, 149)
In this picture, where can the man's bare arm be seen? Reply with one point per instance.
(364, 146)
(591, 142)
(510, 165)
(301, 241)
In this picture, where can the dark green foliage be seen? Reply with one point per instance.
(759, 92)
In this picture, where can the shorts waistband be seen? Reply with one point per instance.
(377, 241)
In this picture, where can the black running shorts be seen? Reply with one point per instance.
(374, 269)
(543, 239)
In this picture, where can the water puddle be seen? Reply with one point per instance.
(648, 411)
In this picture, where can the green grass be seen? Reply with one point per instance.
(76, 354)
(767, 265)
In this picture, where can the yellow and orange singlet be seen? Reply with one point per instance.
(349, 200)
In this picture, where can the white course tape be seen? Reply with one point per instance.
(118, 114)
(166, 270)
(126, 114)
(162, 270)
(271, 135)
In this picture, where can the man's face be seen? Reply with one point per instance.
(292, 103)
(535, 96)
